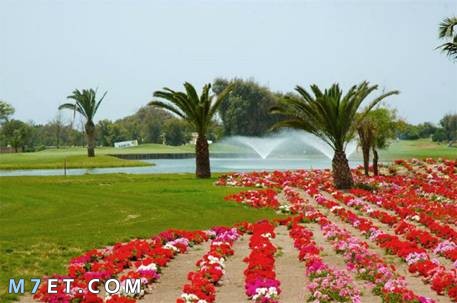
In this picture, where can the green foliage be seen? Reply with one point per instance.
(176, 132)
(383, 122)
(449, 125)
(6, 110)
(439, 135)
(426, 129)
(85, 103)
(16, 134)
(447, 32)
(246, 110)
(196, 110)
(328, 114)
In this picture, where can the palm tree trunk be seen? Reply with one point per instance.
(365, 145)
(366, 159)
(202, 158)
(375, 162)
(90, 133)
(342, 176)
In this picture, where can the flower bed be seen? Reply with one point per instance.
(201, 286)
(261, 284)
(141, 259)
(327, 283)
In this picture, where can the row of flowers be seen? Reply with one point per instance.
(202, 282)
(327, 284)
(367, 265)
(446, 248)
(137, 259)
(261, 285)
(256, 198)
(442, 281)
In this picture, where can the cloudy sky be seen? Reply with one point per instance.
(131, 48)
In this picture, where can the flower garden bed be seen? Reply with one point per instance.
(410, 217)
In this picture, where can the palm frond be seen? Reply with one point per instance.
(327, 114)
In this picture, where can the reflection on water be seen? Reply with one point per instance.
(188, 166)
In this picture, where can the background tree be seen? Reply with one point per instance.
(426, 129)
(447, 32)
(176, 132)
(449, 125)
(246, 111)
(331, 116)
(375, 132)
(6, 110)
(16, 134)
(198, 111)
(87, 105)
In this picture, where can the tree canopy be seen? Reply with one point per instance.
(245, 111)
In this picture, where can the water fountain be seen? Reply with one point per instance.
(262, 146)
(321, 146)
(292, 139)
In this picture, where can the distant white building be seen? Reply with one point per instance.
(126, 144)
(193, 140)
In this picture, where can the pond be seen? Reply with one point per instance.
(188, 166)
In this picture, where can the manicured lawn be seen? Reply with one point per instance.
(423, 148)
(47, 160)
(47, 220)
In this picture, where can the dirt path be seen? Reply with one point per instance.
(174, 276)
(414, 282)
(232, 288)
(289, 270)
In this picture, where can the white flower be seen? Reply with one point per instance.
(151, 266)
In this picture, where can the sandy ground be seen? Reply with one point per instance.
(174, 276)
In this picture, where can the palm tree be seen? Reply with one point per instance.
(447, 31)
(331, 116)
(199, 112)
(87, 105)
(366, 131)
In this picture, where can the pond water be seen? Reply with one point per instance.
(188, 166)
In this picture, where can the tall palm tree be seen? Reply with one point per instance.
(199, 112)
(87, 105)
(448, 31)
(331, 116)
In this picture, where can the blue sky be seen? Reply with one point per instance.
(132, 48)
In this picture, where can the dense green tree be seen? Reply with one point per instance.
(86, 104)
(448, 32)
(176, 132)
(6, 110)
(199, 112)
(426, 129)
(439, 135)
(331, 116)
(16, 134)
(449, 125)
(246, 111)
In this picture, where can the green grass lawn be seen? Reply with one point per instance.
(422, 148)
(45, 160)
(47, 220)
